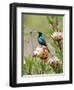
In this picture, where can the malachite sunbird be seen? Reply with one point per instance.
(41, 39)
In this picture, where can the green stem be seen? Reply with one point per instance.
(57, 23)
(42, 65)
(59, 45)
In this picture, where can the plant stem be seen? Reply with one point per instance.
(57, 23)
(42, 65)
(59, 45)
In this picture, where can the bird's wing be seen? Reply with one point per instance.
(42, 39)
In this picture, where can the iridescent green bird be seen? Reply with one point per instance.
(41, 39)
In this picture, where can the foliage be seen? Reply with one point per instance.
(59, 68)
(35, 65)
(57, 26)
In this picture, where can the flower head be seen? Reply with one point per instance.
(57, 36)
(37, 50)
(41, 51)
(54, 61)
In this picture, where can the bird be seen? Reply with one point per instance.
(41, 40)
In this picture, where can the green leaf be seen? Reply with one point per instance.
(28, 64)
(57, 50)
(60, 27)
(49, 20)
(59, 68)
(48, 68)
(50, 32)
(36, 66)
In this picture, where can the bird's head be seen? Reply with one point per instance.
(39, 33)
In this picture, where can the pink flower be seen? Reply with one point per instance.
(38, 50)
(57, 36)
(41, 51)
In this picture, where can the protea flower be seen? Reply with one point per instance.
(57, 36)
(37, 51)
(54, 61)
(42, 52)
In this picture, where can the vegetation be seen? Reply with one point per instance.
(53, 64)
